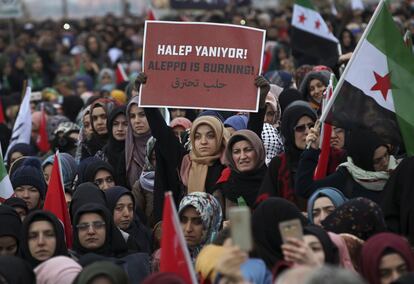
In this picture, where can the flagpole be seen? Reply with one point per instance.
(342, 79)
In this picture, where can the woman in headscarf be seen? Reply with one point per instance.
(279, 179)
(265, 228)
(9, 231)
(42, 237)
(15, 270)
(323, 202)
(313, 86)
(94, 232)
(102, 272)
(99, 113)
(364, 174)
(138, 134)
(101, 173)
(67, 165)
(385, 257)
(344, 256)
(272, 142)
(121, 203)
(321, 244)
(143, 190)
(85, 135)
(240, 183)
(19, 150)
(397, 201)
(114, 151)
(58, 269)
(200, 217)
(360, 217)
(106, 80)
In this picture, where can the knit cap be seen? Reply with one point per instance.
(30, 173)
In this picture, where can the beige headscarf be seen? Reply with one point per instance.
(194, 167)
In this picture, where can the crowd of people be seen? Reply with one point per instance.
(118, 160)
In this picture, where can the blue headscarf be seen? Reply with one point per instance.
(238, 122)
(335, 195)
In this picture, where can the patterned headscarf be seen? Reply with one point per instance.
(210, 213)
(272, 142)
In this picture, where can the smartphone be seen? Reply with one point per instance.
(291, 229)
(240, 227)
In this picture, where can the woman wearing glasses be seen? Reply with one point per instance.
(364, 174)
(279, 179)
(95, 232)
(42, 238)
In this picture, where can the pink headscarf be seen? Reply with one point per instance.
(58, 269)
(181, 121)
(344, 257)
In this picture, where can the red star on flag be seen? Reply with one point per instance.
(302, 18)
(383, 84)
(317, 24)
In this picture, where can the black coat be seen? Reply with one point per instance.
(305, 186)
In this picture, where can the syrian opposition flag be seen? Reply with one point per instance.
(311, 35)
(22, 128)
(43, 139)
(376, 90)
(55, 201)
(6, 188)
(121, 75)
(174, 252)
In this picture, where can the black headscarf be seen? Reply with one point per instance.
(137, 230)
(102, 268)
(25, 149)
(329, 248)
(114, 149)
(16, 271)
(71, 106)
(360, 217)
(245, 184)
(288, 96)
(94, 167)
(85, 193)
(10, 223)
(17, 202)
(290, 118)
(398, 197)
(114, 245)
(265, 227)
(362, 145)
(39, 215)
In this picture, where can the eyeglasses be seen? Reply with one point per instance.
(100, 181)
(303, 127)
(95, 225)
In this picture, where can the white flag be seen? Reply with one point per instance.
(22, 128)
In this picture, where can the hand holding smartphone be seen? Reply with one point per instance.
(240, 225)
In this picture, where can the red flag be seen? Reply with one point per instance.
(120, 74)
(43, 139)
(150, 15)
(267, 59)
(55, 201)
(2, 120)
(174, 253)
(322, 167)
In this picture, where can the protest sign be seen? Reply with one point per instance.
(201, 65)
(10, 9)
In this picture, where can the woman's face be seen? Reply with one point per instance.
(124, 212)
(87, 125)
(346, 39)
(99, 120)
(91, 231)
(138, 120)
(301, 130)
(337, 137)
(42, 240)
(316, 247)
(104, 179)
(381, 159)
(205, 140)
(270, 116)
(392, 266)
(322, 208)
(29, 194)
(316, 90)
(244, 156)
(120, 127)
(106, 79)
(47, 171)
(192, 226)
(8, 246)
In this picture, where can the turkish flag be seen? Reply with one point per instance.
(150, 15)
(174, 253)
(43, 139)
(55, 201)
(322, 167)
(120, 74)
